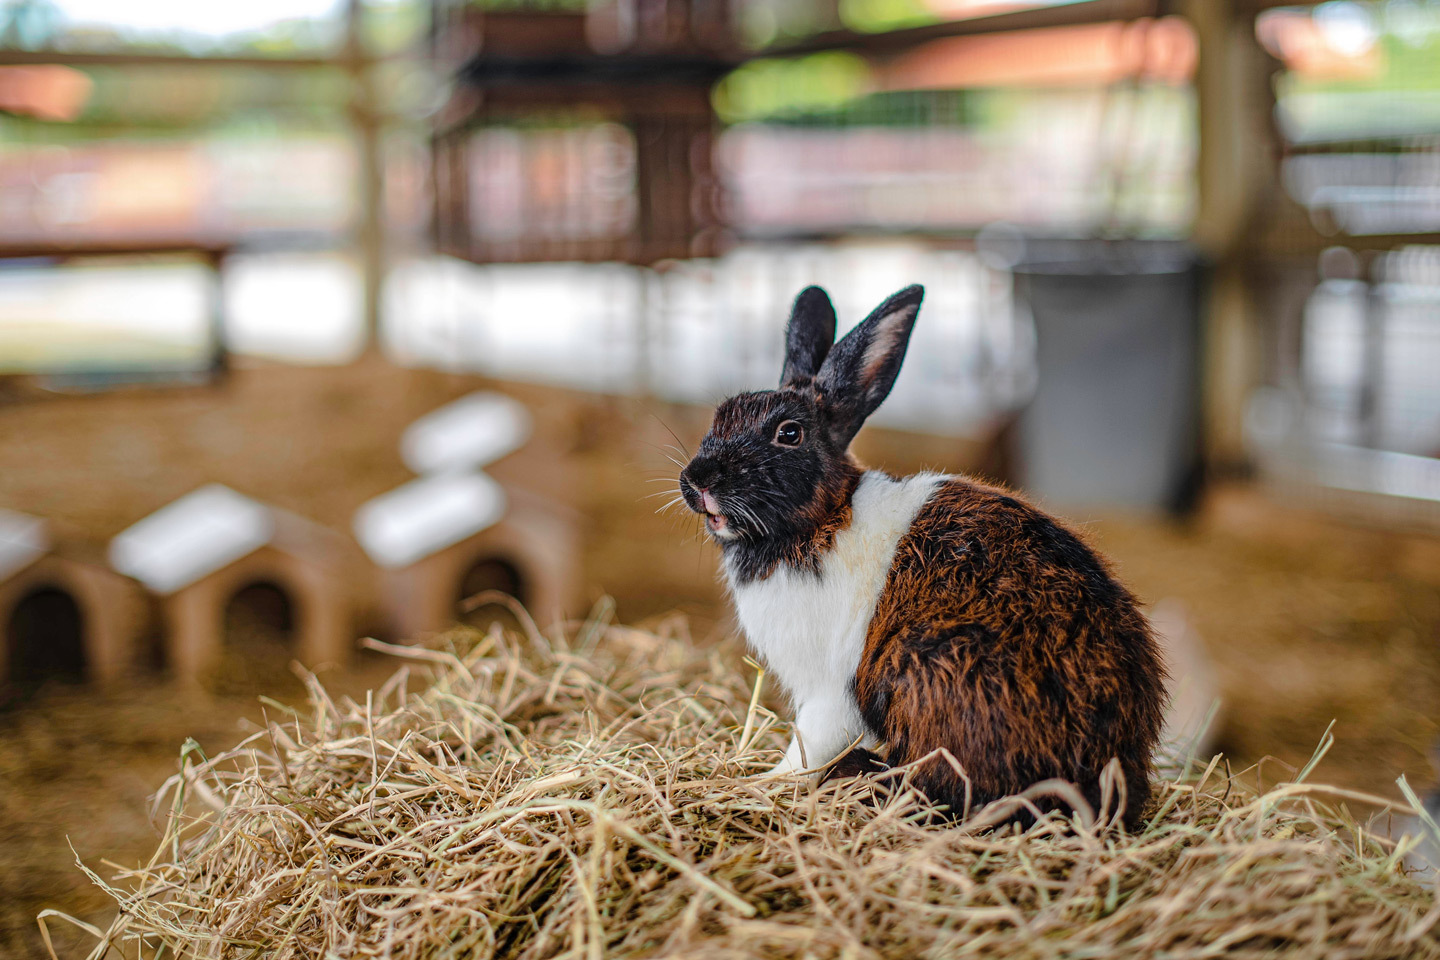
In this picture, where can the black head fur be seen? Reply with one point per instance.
(769, 502)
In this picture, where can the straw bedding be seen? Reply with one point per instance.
(525, 796)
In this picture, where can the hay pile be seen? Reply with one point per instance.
(586, 797)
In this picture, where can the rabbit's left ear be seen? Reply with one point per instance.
(858, 373)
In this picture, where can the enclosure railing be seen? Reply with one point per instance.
(695, 331)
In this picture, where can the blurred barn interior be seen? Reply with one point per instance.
(320, 318)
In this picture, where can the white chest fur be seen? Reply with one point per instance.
(810, 629)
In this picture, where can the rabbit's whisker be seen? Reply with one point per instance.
(666, 506)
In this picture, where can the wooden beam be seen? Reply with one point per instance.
(894, 41)
(210, 251)
(1260, 6)
(68, 58)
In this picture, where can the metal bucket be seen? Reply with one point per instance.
(1115, 420)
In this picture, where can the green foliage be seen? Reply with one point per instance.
(1407, 49)
(877, 16)
(781, 87)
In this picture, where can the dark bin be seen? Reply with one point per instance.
(1116, 416)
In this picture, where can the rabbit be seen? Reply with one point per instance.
(908, 615)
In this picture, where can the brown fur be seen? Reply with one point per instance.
(829, 512)
(829, 509)
(1002, 638)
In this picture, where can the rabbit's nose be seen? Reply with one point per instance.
(701, 473)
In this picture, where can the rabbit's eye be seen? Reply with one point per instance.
(789, 434)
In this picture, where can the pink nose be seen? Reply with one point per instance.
(707, 501)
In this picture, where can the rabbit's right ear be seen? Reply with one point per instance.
(858, 374)
(808, 338)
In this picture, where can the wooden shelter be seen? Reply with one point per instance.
(442, 540)
(456, 532)
(64, 613)
(213, 548)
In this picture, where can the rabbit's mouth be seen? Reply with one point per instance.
(715, 520)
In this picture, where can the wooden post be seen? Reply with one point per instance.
(215, 304)
(1235, 168)
(365, 118)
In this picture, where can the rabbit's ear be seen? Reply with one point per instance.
(809, 336)
(857, 375)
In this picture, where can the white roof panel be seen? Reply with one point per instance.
(23, 540)
(426, 515)
(200, 533)
(471, 432)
